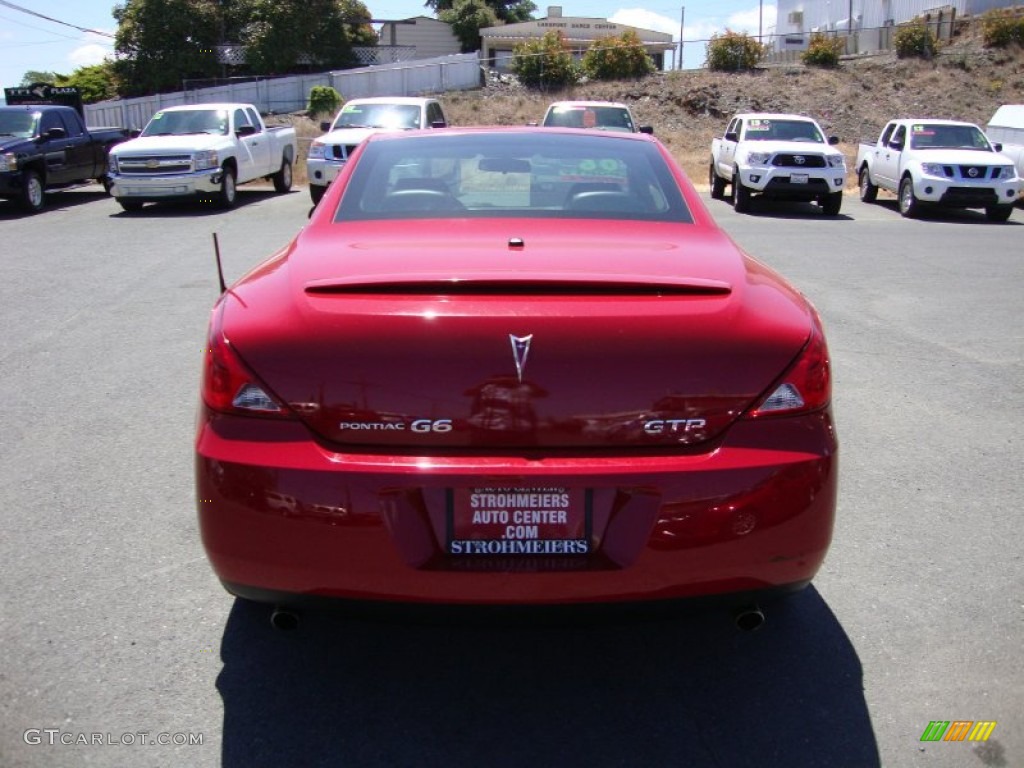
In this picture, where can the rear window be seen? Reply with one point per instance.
(440, 175)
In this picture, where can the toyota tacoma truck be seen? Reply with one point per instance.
(939, 163)
(778, 156)
(44, 147)
(201, 151)
(356, 120)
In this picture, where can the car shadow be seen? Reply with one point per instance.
(939, 214)
(781, 209)
(176, 208)
(687, 690)
(56, 200)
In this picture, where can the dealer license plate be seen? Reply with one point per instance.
(798, 178)
(519, 521)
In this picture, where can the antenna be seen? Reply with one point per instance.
(220, 269)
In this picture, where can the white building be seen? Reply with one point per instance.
(420, 37)
(580, 31)
(798, 19)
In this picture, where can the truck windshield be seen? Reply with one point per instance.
(938, 136)
(763, 129)
(184, 122)
(18, 123)
(395, 116)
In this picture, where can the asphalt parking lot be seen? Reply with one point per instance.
(117, 637)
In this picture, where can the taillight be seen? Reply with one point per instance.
(228, 385)
(806, 386)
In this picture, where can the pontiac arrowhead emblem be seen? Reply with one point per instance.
(520, 351)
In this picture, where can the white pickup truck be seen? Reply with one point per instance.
(201, 150)
(358, 119)
(938, 162)
(785, 157)
(1007, 128)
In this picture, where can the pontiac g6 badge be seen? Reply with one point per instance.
(520, 351)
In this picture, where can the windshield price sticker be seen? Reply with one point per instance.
(518, 521)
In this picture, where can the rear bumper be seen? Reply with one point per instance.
(281, 515)
(164, 187)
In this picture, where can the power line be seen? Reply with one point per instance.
(55, 21)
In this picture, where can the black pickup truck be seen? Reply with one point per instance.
(48, 147)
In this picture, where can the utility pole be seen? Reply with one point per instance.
(682, 23)
(760, 22)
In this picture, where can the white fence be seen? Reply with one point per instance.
(459, 72)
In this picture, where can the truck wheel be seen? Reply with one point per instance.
(228, 194)
(831, 204)
(33, 195)
(130, 205)
(283, 178)
(316, 193)
(716, 182)
(998, 213)
(868, 191)
(740, 194)
(909, 205)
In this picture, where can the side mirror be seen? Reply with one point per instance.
(833, 140)
(439, 124)
(732, 136)
(245, 130)
(897, 145)
(325, 127)
(647, 129)
(55, 133)
(997, 147)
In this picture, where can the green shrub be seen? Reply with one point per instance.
(323, 100)
(617, 58)
(1000, 28)
(823, 51)
(546, 62)
(731, 52)
(914, 39)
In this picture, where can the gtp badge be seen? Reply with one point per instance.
(520, 351)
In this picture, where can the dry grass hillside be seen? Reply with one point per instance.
(964, 82)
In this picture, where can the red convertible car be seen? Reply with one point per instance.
(514, 366)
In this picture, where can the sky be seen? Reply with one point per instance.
(28, 42)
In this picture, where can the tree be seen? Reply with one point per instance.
(357, 23)
(467, 18)
(284, 36)
(732, 51)
(616, 58)
(161, 42)
(507, 11)
(546, 62)
(94, 83)
(32, 77)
